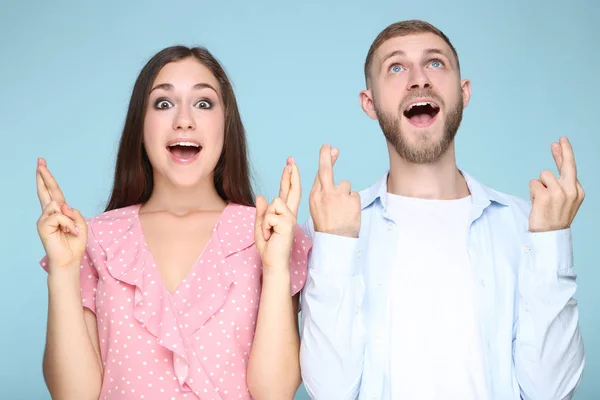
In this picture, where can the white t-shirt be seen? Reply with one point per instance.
(435, 340)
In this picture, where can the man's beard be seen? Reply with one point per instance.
(424, 151)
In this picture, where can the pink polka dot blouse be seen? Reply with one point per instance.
(193, 343)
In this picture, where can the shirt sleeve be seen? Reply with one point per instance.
(548, 347)
(333, 337)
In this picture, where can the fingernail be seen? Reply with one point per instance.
(77, 229)
(289, 168)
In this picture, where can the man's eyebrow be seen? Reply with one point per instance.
(426, 52)
(435, 52)
(392, 54)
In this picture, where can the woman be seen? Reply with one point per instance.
(173, 274)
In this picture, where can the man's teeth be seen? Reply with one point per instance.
(423, 103)
(187, 144)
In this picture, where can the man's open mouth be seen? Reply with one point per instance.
(422, 112)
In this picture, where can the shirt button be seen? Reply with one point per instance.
(358, 254)
(390, 227)
(526, 306)
(526, 249)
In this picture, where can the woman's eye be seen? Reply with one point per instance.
(204, 104)
(163, 104)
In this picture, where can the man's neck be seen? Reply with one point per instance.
(440, 180)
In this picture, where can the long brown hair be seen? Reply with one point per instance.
(134, 180)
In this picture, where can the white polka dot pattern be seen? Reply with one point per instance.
(193, 343)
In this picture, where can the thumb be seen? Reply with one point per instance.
(261, 210)
(79, 221)
(535, 186)
(67, 210)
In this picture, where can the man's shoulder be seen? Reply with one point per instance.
(512, 200)
(512, 203)
(506, 212)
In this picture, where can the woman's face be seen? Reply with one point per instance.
(184, 126)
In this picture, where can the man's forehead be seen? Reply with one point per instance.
(413, 43)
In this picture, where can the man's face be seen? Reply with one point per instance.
(416, 95)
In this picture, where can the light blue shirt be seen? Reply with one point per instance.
(525, 285)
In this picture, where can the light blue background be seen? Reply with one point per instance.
(67, 70)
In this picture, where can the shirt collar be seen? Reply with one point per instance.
(482, 196)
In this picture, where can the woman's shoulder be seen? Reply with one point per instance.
(112, 225)
(240, 210)
(118, 214)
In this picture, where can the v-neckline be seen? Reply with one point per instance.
(146, 247)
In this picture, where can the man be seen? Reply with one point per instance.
(430, 285)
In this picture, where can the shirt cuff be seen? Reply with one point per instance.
(553, 250)
(334, 254)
